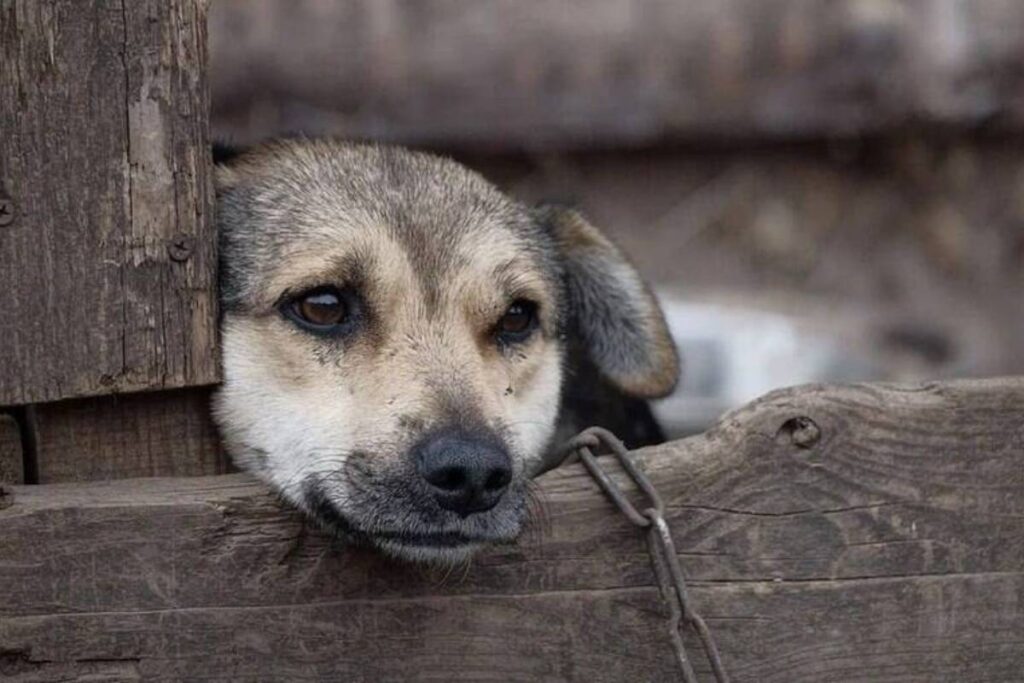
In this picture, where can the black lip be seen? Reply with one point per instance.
(329, 518)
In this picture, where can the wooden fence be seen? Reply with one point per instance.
(829, 533)
(871, 533)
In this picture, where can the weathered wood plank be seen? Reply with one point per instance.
(518, 73)
(108, 270)
(855, 533)
(12, 459)
(156, 434)
(951, 628)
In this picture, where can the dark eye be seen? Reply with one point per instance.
(324, 309)
(518, 322)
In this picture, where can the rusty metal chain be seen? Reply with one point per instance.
(659, 541)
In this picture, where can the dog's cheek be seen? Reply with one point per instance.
(276, 426)
(532, 407)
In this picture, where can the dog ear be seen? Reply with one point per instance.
(224, 153)
(225, 177)
(612, 311)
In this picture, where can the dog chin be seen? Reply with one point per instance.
(438, 548)
(422, 546)
(423, 552)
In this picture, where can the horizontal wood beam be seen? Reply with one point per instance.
(149, 434)
(525, 73)
(827, 532)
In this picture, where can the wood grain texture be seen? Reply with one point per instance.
(12, 459)
(156, 434)
(517, 73)
(889, 548)
(108, 270)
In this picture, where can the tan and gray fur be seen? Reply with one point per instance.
(435, 255)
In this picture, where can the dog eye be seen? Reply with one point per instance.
(325, 309)
(322, 308)
(518, 322)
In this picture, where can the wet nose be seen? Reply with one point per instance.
(466, 474)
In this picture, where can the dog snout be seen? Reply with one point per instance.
(466, 474)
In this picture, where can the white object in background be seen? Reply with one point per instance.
(732, 355)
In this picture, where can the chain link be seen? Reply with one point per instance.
(659, 542)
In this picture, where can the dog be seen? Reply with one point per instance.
(404, 345)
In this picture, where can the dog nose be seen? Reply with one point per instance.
(465, 474)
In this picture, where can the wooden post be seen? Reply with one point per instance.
(108, 269)
(108, 250)
(827, 533)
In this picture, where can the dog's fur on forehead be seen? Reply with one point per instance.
(295, 198)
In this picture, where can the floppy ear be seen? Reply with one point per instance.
(613, 312)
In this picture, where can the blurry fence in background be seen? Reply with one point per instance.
(818, 190)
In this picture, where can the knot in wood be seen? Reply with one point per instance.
(6, 211)
(801, 431)
(6, 497)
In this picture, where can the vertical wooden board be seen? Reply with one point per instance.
(108, 269)
(12, 459)
(159, 434)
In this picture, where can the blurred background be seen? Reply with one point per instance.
(819, 190)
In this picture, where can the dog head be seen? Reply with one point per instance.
(394, 336)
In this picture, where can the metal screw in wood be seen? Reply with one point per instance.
(180, 248)
(659, 539)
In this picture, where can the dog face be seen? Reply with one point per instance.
(394, 336)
